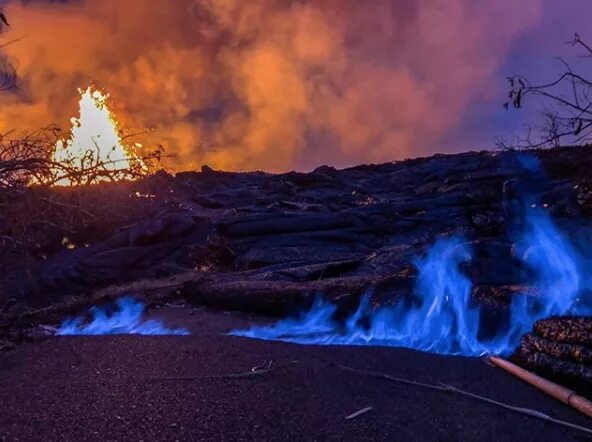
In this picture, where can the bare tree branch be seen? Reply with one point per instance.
(570, 120)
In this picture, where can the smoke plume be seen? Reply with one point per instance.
(265, 84)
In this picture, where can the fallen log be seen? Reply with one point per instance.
(565, 352)
(278, 298)
(574, 330)
(565, 395)
(572, 374)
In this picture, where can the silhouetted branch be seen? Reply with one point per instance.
(570, 121)
(7, 68)
(24, 157)
(29, 160)
(577, 41)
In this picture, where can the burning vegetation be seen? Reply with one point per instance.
(95, 149)
(268, 85)
(94, 152)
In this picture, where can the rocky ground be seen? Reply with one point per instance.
(267, 244)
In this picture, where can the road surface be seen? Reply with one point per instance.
(175, 388)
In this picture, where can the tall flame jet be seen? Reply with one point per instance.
(94, 144)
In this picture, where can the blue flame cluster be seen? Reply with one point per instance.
(126, 319)
(441, 317)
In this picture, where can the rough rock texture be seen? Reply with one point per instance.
(366, 221)
(270, 243)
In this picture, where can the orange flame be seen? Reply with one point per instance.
(94, 144)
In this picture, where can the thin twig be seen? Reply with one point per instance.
(526, 411)
(444, 387)
(265, 368)
(258, 370)
(358, 413)
(14, 40)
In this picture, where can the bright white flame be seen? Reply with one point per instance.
(94, 145)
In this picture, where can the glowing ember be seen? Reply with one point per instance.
(95, 150)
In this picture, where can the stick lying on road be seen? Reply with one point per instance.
(568, 397)
(266, 368)
(358, 413)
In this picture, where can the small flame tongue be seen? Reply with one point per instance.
(95, 145)
(127, 319)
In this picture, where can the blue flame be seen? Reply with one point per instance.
(440, 317)
(127, 320)
(558, 274)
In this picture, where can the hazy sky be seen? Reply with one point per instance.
(286, 84)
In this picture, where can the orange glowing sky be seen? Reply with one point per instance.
(282, 84)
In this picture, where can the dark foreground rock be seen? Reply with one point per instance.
(269, 244)
(366, 221)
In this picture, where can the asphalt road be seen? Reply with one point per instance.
(175, 388)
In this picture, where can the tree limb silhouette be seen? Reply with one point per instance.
(567, 119)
